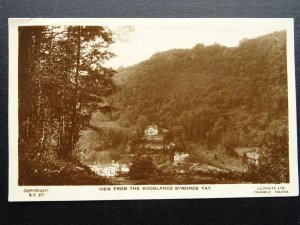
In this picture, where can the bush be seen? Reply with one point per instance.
(142, 168)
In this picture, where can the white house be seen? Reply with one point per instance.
(109, 170)
(151, 130)
(181, 158)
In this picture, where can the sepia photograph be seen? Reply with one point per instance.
(163, 104)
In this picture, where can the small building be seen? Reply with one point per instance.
(151, 130)
(152, 133)
(109, 170)
(251, 154)
(154, 139)
(181, 158)
(253, 158)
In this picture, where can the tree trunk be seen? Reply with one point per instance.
(74, 105)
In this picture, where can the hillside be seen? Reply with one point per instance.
(214, 96)
(215, 84)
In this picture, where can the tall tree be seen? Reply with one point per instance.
(62, 80)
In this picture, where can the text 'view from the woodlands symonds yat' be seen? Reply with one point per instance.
(205, 114)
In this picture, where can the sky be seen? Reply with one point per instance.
(149, 37)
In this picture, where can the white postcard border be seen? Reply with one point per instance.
(122, 192)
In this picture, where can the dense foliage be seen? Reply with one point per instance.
(61, 82)
(215, 96)
(142, 168)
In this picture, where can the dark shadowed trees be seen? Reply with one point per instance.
(62, 80)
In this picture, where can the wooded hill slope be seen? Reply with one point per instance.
(212, 95)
